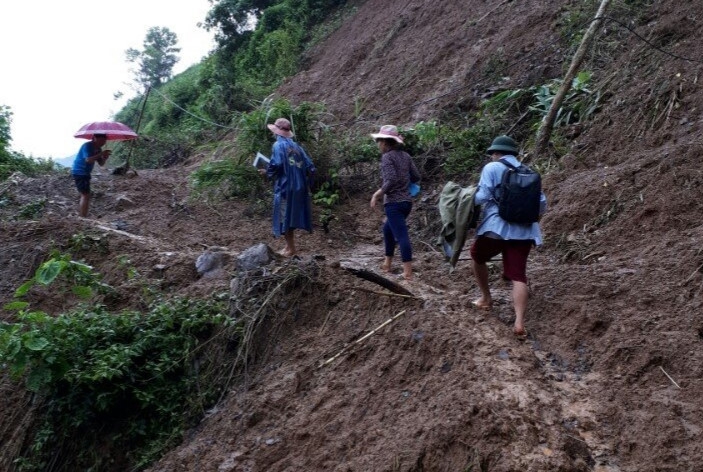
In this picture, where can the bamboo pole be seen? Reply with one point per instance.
(669, 377)
(122, 170)
(361, 339)
(545, 130)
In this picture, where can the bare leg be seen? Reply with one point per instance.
(386, 266)
(407, 270)
(520, 296)
(481, 275)
(289, 251)
(83, 204)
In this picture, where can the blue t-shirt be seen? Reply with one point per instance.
(80, 166)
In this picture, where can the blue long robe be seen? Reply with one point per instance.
(290, 168)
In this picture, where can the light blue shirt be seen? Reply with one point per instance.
(492, 224)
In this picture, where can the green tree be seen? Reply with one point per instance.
(232, 20)
(5, 121)
(155, 62)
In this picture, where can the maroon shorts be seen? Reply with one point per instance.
(514, 253)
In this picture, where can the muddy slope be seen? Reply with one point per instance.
(610, 377)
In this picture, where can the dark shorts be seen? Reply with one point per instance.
(514, 253)
(82, 183)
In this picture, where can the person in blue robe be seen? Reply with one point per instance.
(291, 170)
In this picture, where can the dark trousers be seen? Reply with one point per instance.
(395, 230)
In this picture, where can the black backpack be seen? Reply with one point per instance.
(519, 194)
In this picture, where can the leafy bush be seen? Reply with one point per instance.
(579, 103)
(80, 277)
(235, 176)
(130, 379)
(226, 178)
(327, 197)
(32, 210)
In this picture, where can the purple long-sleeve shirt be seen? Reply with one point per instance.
(397, 171)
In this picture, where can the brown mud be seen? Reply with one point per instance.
(610, 376)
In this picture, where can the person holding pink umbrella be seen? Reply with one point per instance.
(99, 132)
(89, 153)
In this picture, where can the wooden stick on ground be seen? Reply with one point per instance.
(363, 338)
(376, 278)
(430, 246)
(669, 377)
(390, 294)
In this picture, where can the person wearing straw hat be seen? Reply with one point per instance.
(397, 171)
(89, 153)
(290, 168)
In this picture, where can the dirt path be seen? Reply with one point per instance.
(560, 397)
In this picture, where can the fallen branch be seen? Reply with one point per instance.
(669, 377)
(593, 254)
(430, 246)
(377, 279)
(577, 439)
(363, 338)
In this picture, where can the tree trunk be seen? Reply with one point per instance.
(545, 130)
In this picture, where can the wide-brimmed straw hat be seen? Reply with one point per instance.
(388, 132)
(282, 128)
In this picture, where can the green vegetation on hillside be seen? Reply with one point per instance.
(126, 384)
(114, 390)
(259, 44)
(10, 161)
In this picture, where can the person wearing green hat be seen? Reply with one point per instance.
(496, 236)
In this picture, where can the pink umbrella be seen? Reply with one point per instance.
(114, 130)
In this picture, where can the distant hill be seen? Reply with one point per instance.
(65, 161)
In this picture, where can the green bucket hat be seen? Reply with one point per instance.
(504, 144)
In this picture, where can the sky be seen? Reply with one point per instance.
(62, 61)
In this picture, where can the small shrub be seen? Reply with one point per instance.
(327, 197)
(226, 178)
(579, 103)
(80, 277)
(467, 148)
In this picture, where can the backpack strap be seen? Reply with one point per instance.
(507, 164)
(498, 190)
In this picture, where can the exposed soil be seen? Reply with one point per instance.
(610, 376)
